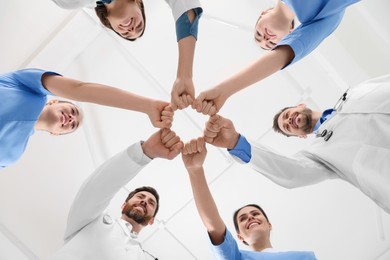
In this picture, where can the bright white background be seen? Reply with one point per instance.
(332, 218)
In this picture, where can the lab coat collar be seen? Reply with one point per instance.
(127, 227)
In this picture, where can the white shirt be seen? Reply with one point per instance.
(92, 234)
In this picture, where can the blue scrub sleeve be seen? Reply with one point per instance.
(242, 150)
(185, 28)
(306, 37)
(228, 249)
(32, 79)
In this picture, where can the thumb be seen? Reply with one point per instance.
(197, 104)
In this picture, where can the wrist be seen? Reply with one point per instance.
(146, 149)
(234, 141)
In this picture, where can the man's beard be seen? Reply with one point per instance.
(307, 114)
(136, 215)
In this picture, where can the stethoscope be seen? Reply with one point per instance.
(133, 235)
(328, 134)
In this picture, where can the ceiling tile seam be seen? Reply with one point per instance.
(181, 243)
(12, 238)
(384, 253)
(44, 43)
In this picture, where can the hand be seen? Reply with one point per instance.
(155, 113)
(167, 115)
(213, 96)
(182, 93)
(162, 144)
(194, 153)
(220, 132)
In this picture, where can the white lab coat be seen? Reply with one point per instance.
(358, 150)
(92, 234)
(178, 6)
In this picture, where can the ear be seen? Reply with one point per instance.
(51, 102)
(240, 237)
(302, 105)
(151, 221)
(55, 134)
(123, 205)
(270, 226)
(302, 136)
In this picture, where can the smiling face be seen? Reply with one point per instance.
(270, 30)
(126, 18)
(296, 121)
(253, 226)
(141, 208)
(62, 117)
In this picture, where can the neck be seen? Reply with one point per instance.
(315, 117)
(136, 226)
(41, 123)
(261, 245)
(284, 12)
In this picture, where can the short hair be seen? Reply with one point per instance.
(102, 13)
(276, 125)
(148, 189)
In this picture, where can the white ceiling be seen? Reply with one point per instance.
(332, 218)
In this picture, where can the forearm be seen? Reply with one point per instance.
(97, 191)
(206, 206)
(186, 57)
(263, 67)
(96, 93)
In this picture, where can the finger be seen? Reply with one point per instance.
(172, 154)
(167, 137)
(194, 148)
(210, 134)
(184, 100)
(198, 101)
(213, 110)
(200, 144)
(172, 141)
(206, 109)
(176, 102)
(208, 139)
(178, 146)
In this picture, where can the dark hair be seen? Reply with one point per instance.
(148, 189)
(236, 213)
(276, 125)
(102, 13)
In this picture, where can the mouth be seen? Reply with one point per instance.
(62, 119)
(295, 121)
(269, 33)
(253, 223)
(141, 208)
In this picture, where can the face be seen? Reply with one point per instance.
(269, 31)
(252, 225)
(125, 17)
(296, 121)
(62, 117)
(141, 208)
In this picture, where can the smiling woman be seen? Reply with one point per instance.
(23, 107)
(251, 222)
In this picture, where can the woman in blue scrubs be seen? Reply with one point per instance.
(24, 107)
(275, 31)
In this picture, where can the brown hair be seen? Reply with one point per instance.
(275, 125)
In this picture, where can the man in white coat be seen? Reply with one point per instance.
(353, 143)
(93, 234)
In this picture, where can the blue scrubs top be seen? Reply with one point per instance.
(228, 250)
(319, 18)
(22, 98)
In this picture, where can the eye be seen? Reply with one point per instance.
(73, 125)
(73, 112)
(272, 43)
